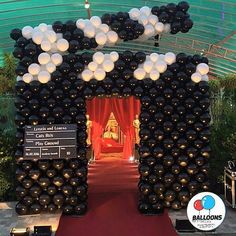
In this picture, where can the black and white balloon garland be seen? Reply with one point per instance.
(152, 67)
(52, 41)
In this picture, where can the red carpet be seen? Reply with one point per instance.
(112, 209)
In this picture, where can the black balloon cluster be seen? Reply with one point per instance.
(176, 15)
(51, 184)
(174, 132)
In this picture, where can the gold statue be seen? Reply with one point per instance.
(110, 130)
(110, 133)
(136, 124)
(89, 126)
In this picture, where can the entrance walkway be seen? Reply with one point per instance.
(113, 199)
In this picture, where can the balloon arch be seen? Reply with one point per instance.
(54, 81)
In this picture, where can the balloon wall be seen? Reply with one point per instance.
(55, 78)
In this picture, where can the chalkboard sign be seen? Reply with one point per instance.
(50, 142)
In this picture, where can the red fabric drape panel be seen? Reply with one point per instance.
(124, 111)
(99, 110)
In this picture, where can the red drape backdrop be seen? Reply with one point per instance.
(124, 111)
(99, 111)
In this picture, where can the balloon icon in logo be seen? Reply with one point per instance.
(208, 202)
(198, 205)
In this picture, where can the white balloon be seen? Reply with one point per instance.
(134, 13)
(27, 32)
(80, 23)
(46, 45)
(34, 69)
(107, 57)
(59, 36)
(147, 66)
(101, 38)
(87, 75)
(19, 78)
(161, 66)
(161, 57)
(37, 37)
(114, 56)
(43, 27)
(89, 31)
(203, 68)
(154, 57)
(149, 30)
(92, 66)
(50, 27)
(205, 78)
(166, 28)
(139, 73)
(27, 77)
(43, 58)
(159, 27)
(143, 19)
(196, 77)
(170, 58)
(96, 21)
(154, 75)
(112, 37)
(62, 45)
(56, 59)
(53, 48)
(51, 36)
(99, 74)
(43, 77)
(50, 67)
(98, 57)
(104, 28)
(153, 19)
(145, 10)
(108, 65)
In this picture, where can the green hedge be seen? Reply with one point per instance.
(7, 148)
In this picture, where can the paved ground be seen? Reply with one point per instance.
(9, 219)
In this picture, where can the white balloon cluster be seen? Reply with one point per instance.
(150, 22)
(154, 65)
(42, 72)
(101, 64)
(93, 28)
(45, 36)
(201, 73)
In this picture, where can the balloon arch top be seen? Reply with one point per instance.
(45, 48)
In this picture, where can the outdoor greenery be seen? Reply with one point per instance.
(7, 75)
(223, 127)
(7, 128)
(7, 164)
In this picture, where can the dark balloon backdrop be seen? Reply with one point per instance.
(174, 147)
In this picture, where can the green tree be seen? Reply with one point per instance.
(8, 75)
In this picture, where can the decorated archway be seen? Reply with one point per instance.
(55, 79)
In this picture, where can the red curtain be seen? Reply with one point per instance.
(99, 111)
(124, 111)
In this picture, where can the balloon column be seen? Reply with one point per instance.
(54, 80)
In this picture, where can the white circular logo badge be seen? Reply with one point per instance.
(206, 211)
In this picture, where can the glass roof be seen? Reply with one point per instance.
(213, 33)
